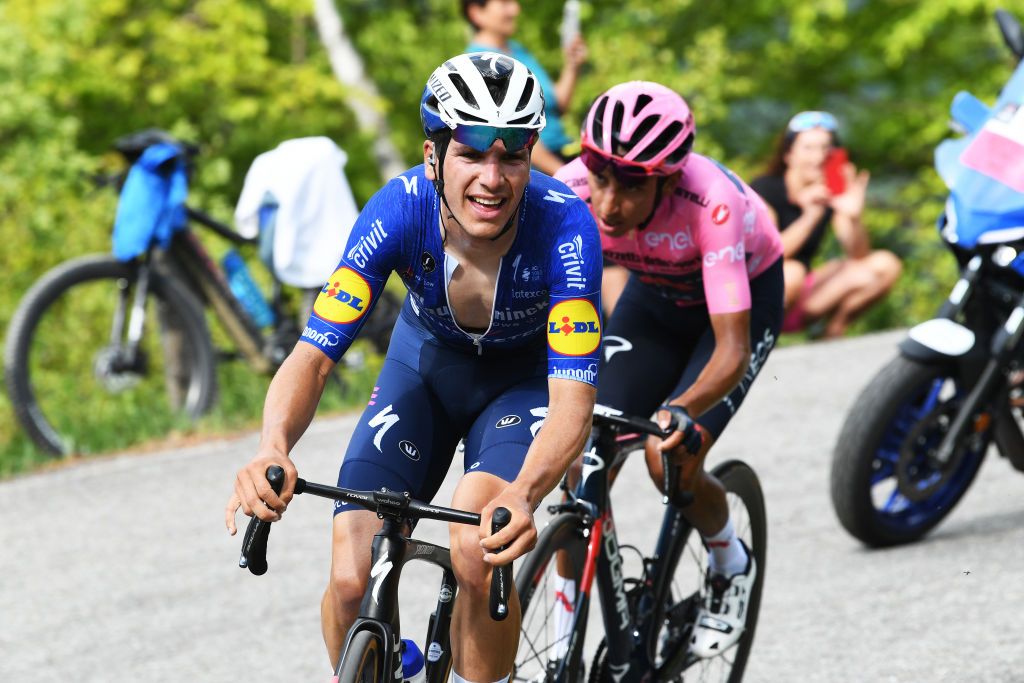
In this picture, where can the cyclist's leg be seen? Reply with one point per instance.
(496, 446)
(403, 441)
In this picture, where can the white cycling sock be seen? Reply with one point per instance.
(562, 616)
(456, 678)
(726, 555)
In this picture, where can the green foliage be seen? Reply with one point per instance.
(239, 76)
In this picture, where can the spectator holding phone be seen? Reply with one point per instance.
(494, 23)
(809, 185)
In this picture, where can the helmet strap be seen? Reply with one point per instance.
(658, 193)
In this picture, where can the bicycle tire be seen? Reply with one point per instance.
(30, 381)
(362, 661)
(743, 490)
(536, 597)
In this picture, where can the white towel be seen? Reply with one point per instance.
(316, 209)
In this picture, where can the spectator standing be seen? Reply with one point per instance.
(494, 23)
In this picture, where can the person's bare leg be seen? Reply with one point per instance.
(794, 273)
(613, 281)
(352, 536)
(483, 650)
(851, 289)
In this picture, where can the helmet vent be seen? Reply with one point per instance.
(641, 102)
(641, 132)
(460, 84)
(470, 117)
(597, 130)
(618, 113)
(681, 151)
(522, 120)
(524, 99)
(661, 142)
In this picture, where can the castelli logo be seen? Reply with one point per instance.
(720, 214)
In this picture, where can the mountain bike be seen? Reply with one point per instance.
(648, 619)
(372, 648)
(96, 341)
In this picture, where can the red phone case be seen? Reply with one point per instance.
(835, 166)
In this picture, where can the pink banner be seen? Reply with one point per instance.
(998, 156)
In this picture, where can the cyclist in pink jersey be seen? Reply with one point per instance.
(698, 317)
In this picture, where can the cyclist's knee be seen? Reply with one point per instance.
(471, 572)
(350, 563)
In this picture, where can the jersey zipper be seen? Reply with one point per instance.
(477, 339)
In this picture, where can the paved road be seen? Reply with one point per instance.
(119, 569)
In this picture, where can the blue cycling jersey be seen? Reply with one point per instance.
(548, 284)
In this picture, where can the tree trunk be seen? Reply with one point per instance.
(361, 92)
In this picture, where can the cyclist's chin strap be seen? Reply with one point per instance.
(658, 192)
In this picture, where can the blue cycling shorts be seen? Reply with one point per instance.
(427, 397)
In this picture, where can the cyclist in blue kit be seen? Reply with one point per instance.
(500, 330)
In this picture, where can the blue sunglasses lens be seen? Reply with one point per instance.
(806, 120)
(481, 138)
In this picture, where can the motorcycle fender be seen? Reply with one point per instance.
(938, 340)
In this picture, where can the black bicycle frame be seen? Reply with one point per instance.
(625, 630)
(379, 613)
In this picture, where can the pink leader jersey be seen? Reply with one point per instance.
(705, 242)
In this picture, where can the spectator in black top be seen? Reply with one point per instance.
(795, 189)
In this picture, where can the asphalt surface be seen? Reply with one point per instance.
(120, 570)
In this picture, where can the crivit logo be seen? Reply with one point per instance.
(327, 339)
(574, 328)
(571, 254)
(588, 374)
(733, 254)
(367, 244)
(345, 298)
(508, 421)
(409, 450)
(676, 241)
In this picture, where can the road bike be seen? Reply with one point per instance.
(97, 341)
(648, 619)
(372, 648)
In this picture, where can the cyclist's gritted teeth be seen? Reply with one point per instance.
(487, 206)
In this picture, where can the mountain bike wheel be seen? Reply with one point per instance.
(542, 652)
(71, 377)
(362, 661)
(690, 563)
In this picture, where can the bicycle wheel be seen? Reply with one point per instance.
(73, 381)
(362, 661)
(690, 563)
(541, 647)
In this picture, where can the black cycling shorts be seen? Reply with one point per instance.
(654, 350)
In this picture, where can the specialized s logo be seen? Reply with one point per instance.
(574, 328)
(345, 297)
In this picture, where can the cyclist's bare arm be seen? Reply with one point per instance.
(289, 408)
(724, 370)
(559, 441)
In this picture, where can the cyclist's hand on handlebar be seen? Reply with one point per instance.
(253, 492)
(520, 535)
(688, 434)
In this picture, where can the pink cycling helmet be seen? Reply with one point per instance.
(643, 124)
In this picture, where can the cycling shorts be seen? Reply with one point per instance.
(427, 397)
(654, 350)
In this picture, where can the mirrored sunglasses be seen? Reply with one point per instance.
(624, 172)
(806, 120)
(481, 138)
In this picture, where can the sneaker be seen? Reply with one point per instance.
(723, 612)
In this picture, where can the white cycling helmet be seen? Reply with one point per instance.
(483, 96)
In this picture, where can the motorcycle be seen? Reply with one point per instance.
(917, 435)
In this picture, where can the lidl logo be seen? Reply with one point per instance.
(574, 328)
(345, 297)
